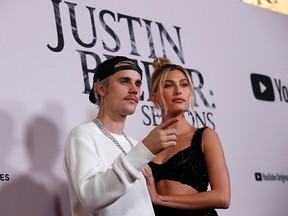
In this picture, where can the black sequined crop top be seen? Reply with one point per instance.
(186, 166)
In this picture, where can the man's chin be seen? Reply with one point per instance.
(128, 112)
(131, 111)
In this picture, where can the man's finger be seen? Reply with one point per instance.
(169, 132)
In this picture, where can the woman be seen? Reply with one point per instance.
(178, 177)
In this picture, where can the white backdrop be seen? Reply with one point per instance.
(221, 42)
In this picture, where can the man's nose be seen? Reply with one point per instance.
(133, 89)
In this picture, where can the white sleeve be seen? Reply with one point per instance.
(95, 185)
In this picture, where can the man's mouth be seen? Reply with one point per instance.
(131, 98)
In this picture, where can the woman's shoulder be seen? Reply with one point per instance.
(205, 133)
(206, 130)
(210, 137)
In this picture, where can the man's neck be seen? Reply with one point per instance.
(113, 125)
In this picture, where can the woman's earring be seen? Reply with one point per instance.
(156, 110)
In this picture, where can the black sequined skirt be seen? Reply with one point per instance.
(166, 211)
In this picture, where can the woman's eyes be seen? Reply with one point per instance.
(168, 85)
(184, 85)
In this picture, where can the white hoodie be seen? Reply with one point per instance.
(102, 180)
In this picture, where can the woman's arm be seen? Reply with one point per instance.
(217, 197)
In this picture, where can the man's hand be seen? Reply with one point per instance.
(161, 137)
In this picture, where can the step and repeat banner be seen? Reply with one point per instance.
(235, 52)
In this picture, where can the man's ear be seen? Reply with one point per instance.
(99, 88)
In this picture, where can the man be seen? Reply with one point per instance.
(102, 164)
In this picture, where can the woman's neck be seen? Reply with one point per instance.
(179, 124)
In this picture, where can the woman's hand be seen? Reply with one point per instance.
(147, 172)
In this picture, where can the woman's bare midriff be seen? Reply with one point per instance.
(170, 187)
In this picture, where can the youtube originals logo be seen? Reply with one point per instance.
(263, 88)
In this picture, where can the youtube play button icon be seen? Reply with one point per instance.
(262, 87)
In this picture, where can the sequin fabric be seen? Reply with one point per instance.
(188, 167)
